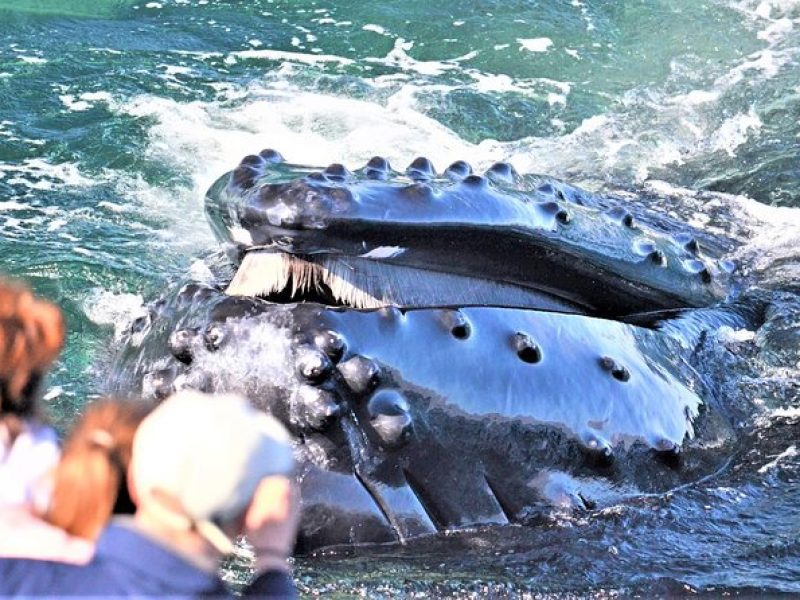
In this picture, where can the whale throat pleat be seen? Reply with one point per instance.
(367, 284)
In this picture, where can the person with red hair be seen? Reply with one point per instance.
(31, 336)
(90, 483)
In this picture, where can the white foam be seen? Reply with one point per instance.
(776, 31)
(584, 13)
(56, 224)
(113, 207)
(204, 139)
(97, 97)
(53, 393)
(374, 28)
(730, 335)
(106, 50)
(197, 54)
(651, 130)
(695, 98)
(186, 231)
(536, 88)
(38, 174)
(72, 104)
(318, 129)
(201, 272)
(765, 64)
(772, 248)
(489, 82)
(734, 132)
(174, 70)
(775, 18)
(299, 57)
(119, 310)
(786, 413)
(240, 235)
(790, 452)
(535, 44)
(12, 205)
(398, 57)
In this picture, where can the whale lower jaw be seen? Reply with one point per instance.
(409, 422)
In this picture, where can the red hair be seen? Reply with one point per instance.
(91, 477)
(31, 336)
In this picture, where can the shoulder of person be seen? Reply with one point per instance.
(30, 577)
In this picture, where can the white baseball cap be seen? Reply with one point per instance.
(198, 459)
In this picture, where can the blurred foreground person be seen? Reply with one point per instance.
(89, 485)
(91, 479)
(31, 336)
(204, 470)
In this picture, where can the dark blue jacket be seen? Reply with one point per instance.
(126, 563)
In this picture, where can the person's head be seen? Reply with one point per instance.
(90, 481)
(31, 336)
(198, 460)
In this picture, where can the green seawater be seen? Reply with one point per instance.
(115, 117)
(64, 8)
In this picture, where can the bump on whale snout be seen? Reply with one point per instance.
(421, 169)
(390, 418)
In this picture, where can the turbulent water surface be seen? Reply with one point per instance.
(115, 117)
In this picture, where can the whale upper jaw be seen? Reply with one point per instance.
(377, 237)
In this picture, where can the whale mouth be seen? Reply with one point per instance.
(364, 283)
(376, 237)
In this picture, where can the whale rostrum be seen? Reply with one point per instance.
(421, 239)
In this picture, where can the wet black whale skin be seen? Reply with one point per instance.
(417, 419)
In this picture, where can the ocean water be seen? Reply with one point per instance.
(116, 116)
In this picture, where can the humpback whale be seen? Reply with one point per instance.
(449, 348)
